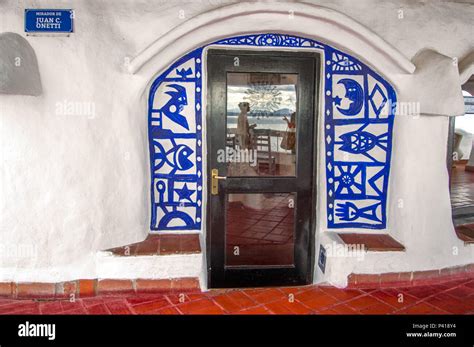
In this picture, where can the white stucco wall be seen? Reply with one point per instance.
(72, 185)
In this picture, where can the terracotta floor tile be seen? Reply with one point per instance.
(142, 298)
(470, 284)
(69, 306)
(98, 309)
(372, 242)
(7, 301)
(32, 310)
(214, 310)
(340, 309)
(342, 294)
(86, 302)
(264, 296)
(228, 303)
(309, 294)
(244, 301)
(177, 299)
(421, 292)
(394, 298)
(451, 297)
(151, 305)
(460, 292)
(295, 290)
(201, 306)
(285, 306)
(77, 311)
(21, 305)
(167, 310)
(378, 309)
(450, 304)
(329, 311)
(195, 296)
(148, 247)
(118, 307)
(320, 301)
(50, 307)
(363, 302)
(254, 310)
(421, 308)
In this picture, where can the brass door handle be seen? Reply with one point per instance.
(215, 181)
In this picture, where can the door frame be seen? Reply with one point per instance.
(318, 58)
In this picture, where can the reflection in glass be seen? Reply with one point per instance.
(261, 124)
(260, 229)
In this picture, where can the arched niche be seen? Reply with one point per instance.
(19, 74)
(355, 143)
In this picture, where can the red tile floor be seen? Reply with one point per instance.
(462, 187)
(454, 297)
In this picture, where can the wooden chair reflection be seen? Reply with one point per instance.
(230, 141)
(265, 158)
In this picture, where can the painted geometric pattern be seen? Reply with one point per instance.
(175, 140)
(358, 121)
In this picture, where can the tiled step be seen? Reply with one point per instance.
(159, 256)
(92, 287)
(373, 243)
(161, 244)
(448, 298)
(465, 233)
(412, 278)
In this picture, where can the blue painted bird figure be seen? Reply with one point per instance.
(175, 105)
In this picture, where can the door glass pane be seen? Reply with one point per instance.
(260, 229)
(261, 124)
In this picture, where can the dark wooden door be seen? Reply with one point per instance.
(261, 167)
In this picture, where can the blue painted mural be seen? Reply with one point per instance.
(358, 121)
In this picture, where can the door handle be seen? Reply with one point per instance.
(215, 181)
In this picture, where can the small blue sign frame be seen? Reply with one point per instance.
(49, 20)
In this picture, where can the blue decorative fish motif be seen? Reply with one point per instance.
(358, 142)
(177, 157)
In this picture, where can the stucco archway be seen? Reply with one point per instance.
(310, 21)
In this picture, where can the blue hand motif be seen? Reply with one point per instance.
(350, 212)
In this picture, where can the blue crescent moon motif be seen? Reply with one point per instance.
(181, 157)
(354, 93)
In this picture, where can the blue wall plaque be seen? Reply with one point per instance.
(48, 21)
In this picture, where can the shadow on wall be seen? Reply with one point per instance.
(19, 74)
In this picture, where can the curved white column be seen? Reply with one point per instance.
(466, 67)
